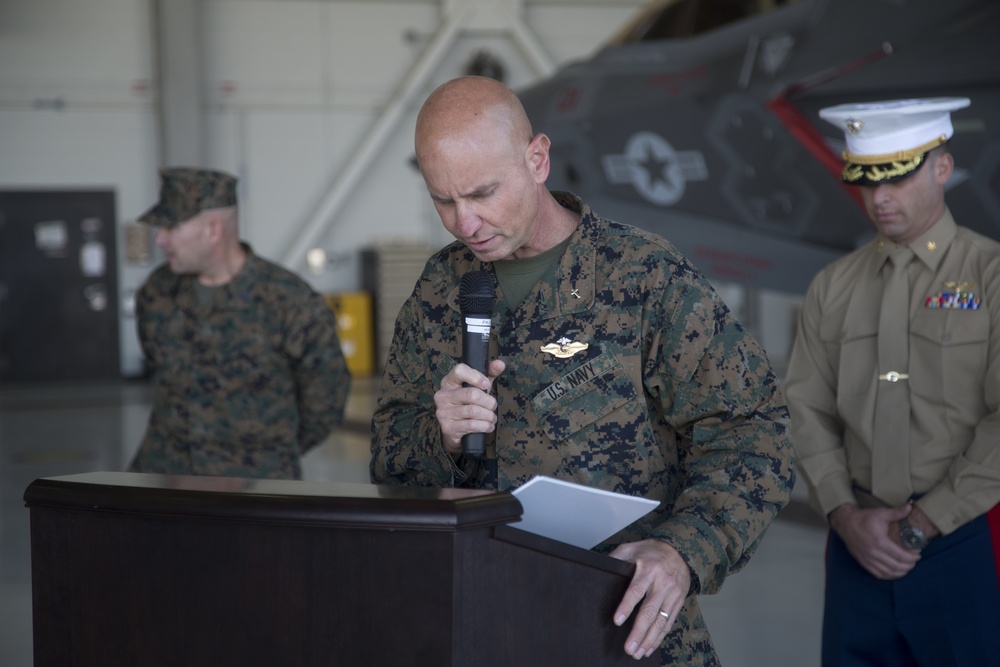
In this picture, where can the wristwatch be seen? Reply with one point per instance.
(912, 537)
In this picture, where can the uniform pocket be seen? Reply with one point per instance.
(949, 354)
(599, 423)
(582, 396)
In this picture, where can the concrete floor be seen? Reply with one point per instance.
(767, 615)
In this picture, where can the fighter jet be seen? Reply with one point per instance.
(699, 122)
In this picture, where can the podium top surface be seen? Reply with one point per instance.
(286, 501)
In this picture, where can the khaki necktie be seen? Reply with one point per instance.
(891, 446)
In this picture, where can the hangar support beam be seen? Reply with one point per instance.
(458, 15)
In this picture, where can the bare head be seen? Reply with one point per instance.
(471, 109)
(486, 171)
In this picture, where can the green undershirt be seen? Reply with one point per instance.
(517, 277)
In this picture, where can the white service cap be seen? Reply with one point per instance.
(887, 141)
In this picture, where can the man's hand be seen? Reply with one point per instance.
(872, 537)
(465, 409)
(661, 583)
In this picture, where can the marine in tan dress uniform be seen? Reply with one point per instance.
(910, 493)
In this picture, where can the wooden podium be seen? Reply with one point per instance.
(146, 570)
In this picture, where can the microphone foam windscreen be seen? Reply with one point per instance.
(476, 294)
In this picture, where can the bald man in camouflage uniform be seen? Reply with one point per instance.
(614, 364)
(247, 368)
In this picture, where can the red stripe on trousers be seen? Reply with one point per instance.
(993, 519)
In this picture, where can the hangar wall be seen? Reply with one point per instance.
(289, 89)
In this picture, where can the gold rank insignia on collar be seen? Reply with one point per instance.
(564, 348)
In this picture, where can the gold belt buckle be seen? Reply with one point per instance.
(893, 376)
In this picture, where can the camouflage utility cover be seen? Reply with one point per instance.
(243, 385)
(671, 400)
(186, 192)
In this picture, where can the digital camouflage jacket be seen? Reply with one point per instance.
(243, 385)
(671, 400)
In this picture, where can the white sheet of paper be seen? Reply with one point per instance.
(576, 514)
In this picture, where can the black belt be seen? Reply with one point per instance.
(867, 501)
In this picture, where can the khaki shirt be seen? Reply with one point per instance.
(954, 371)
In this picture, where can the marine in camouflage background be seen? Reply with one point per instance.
(672, 400)
(243, 385)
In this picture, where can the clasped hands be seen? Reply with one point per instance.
(872, 537)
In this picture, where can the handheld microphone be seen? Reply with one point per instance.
(476, 298)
